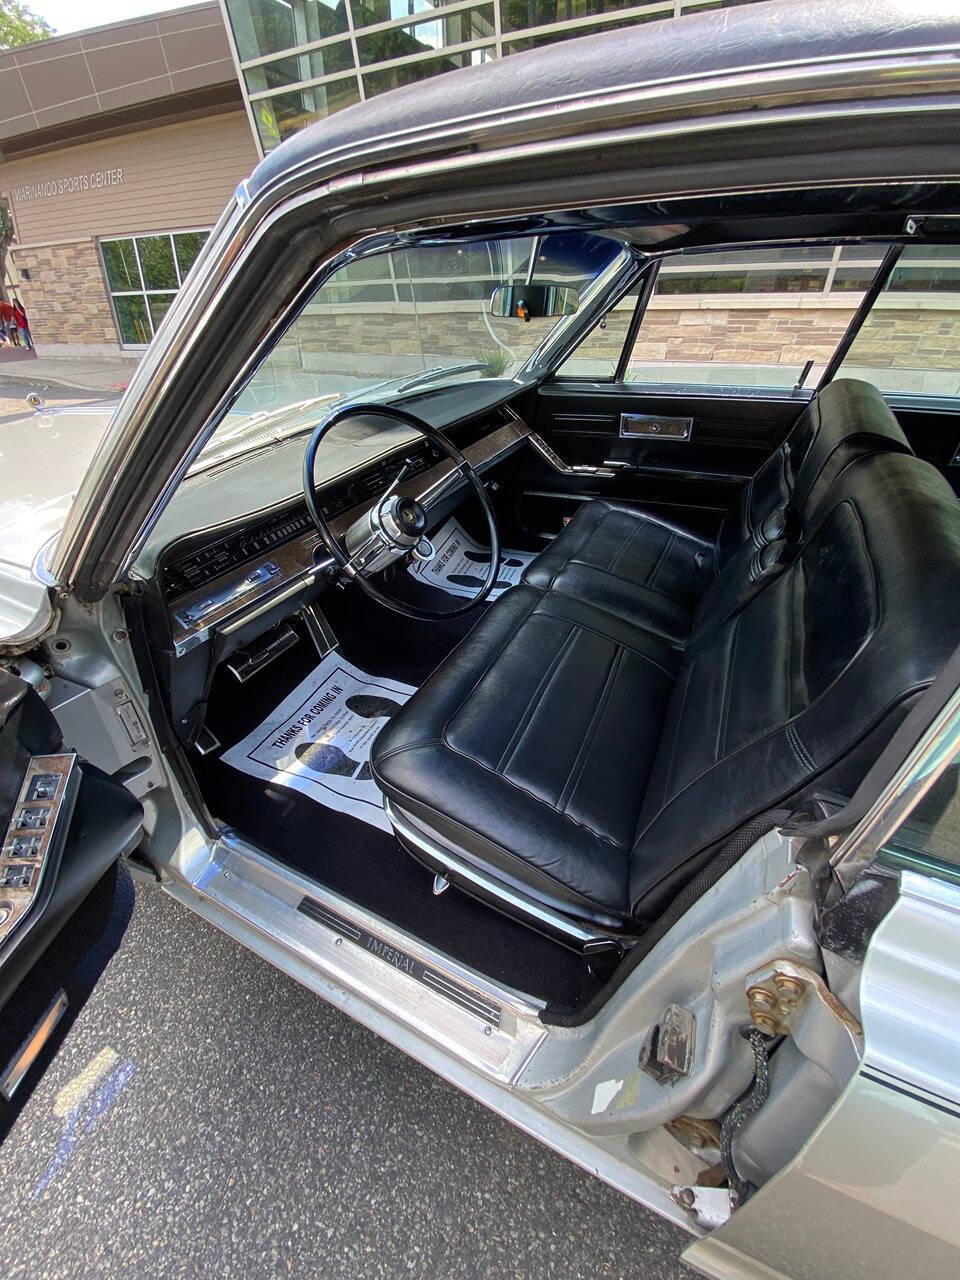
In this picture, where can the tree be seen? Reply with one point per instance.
(20, 25)
(6, 236)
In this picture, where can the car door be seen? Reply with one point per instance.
(682, 454)
(64, 824)
(688, 385)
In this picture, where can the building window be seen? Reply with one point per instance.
(144, 274)
(270, 26)
(302, 60)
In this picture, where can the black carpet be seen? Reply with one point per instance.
(364, 864)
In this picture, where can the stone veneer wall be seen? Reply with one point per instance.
(65, 297)
(898, 336)
(737, 335)
(463, 334)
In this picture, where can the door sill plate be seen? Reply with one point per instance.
(492, 1028)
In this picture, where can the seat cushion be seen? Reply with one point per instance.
(628, 563)
(530, 748)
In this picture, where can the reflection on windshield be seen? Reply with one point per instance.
(419, 316)
(346, 446)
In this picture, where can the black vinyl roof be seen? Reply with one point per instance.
(766, 35)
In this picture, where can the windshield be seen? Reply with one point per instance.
(411, 318)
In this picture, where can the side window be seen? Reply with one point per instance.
(910, 341)
(598, 354)
(929, 840)
(737, 318)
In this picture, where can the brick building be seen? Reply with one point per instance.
(119, 148)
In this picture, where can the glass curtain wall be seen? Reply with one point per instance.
(302, 60)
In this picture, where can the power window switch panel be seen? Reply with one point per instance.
(25, 847)
(16, 877)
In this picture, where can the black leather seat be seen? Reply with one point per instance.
(576, 757)
(654, 572)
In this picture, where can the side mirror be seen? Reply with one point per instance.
(533, 301)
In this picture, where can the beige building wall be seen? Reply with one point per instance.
(168, 178)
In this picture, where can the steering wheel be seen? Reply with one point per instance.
(395, 526)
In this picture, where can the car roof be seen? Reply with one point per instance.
(776, 34)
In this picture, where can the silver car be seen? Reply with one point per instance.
(519, 597)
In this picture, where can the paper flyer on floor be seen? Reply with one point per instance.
(460, 565)
(318, 739)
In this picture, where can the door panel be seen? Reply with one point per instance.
(693, 480)
(63, 824)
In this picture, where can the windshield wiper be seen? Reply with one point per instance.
(430, 375)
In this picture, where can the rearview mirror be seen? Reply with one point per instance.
(533, 301)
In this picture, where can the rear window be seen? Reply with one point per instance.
(910, 342)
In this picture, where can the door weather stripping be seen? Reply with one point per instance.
(333, 945)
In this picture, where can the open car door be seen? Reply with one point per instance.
(64, 823)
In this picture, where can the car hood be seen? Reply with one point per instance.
(43, 457)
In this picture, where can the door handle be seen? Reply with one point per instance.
(652, 426)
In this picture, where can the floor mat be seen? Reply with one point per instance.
(318, 740)
(460, 564)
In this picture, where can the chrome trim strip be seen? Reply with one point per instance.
(553, 459)
(33, 1045)
(578, 937)
(467, 998)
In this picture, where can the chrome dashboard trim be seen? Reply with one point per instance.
(296, 562)
(553, 460)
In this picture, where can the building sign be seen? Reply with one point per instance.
(96, 181)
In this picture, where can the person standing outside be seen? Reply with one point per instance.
(23, 327)
(9, 322)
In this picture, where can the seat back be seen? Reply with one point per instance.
(845, 420)
(804, 685)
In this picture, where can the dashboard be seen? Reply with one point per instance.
(222, 579)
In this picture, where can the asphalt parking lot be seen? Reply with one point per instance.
(206, 1116)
